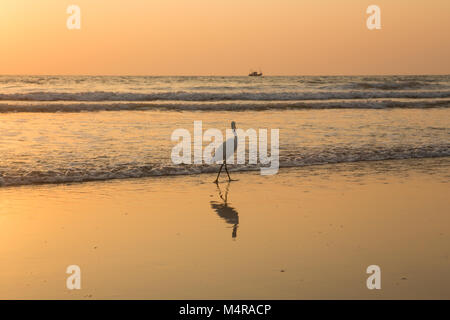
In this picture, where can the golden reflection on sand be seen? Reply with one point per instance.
(308, 233)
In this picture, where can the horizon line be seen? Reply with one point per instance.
(218, 75)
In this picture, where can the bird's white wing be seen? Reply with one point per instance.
(225, 150)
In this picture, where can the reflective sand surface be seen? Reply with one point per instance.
(305, 233)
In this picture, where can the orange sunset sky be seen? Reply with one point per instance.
(224, 37)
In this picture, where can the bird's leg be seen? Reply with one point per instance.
(226, 169)
(229, 178)
(218, 175)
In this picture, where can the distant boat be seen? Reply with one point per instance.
(255, 74)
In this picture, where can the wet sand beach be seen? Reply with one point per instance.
(306, 233)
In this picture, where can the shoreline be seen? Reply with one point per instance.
(445, 160)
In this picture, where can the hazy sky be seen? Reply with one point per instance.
(224, 37)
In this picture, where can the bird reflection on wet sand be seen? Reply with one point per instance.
(226, 212)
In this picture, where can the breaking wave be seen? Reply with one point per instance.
(306, 157)
(49, 107)
(220, 96)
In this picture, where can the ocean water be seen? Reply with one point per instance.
(56, 129)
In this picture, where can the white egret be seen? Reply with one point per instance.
(224, 153)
